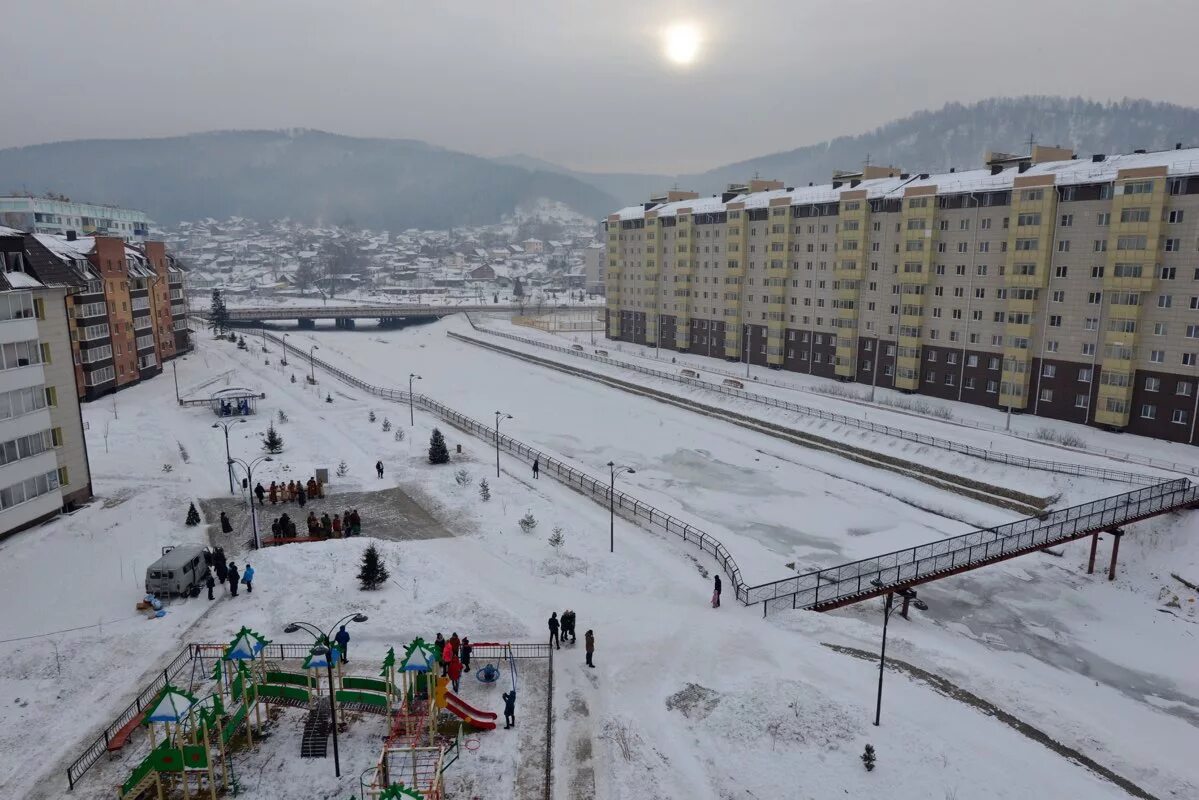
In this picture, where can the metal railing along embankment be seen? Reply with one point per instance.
(1064, 468)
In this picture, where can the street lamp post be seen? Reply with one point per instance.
(908, 595)
(324, 647)
(614, 470)
(249, 468)
(411, 417)
(312, 363)
(498, 416)
(264, 337)
(228, 458)
(283, 358)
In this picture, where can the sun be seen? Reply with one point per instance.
(681, 43)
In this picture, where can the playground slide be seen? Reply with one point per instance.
(483, 720)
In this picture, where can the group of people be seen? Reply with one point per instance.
(290, 492)
(242, 408)
(565, 627)
(218, 570)
(454, 655)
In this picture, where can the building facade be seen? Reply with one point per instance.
(57, 215)
(128, 306)
(43, 453)
(1049, 284)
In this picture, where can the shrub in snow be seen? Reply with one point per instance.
(343, 469)
(272, 442)
(193, 516)
(282, 417)
(183, 453)
(373, 572)
(438, 454)
(328, 398)
(233, 337)
(386, 424)
(371, 416)
(167, 468)
(528, 522)
(293, 378)
(399, 434)
(463, 478)
(557, 539)
(484, 490)
(868, 758)
(241, 343)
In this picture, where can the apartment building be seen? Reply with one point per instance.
(1050, 284)
(127, 306)
(43, 453)
(57, 215)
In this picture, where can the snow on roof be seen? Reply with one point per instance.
(22, 280)
(63, 248)
(1065, 173)
(9, 231)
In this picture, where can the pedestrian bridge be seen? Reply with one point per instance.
(346, 316)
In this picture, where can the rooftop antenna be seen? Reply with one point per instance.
(866, 163)
(1032, 140)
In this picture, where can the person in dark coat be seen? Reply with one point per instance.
(716, 593)
(589, 643)
(464, 651)
(326, 525)
(226, 526)
(260, 492)
(509, 709)
(222, 574)
(314, 524)
(301, 496)
(379, 468)
(210, 583)
(438, 649)
(568, 625)
(536, 468)
(234, 577)
(343, 643)
(355, 523)
(275, 528)
(554, 625)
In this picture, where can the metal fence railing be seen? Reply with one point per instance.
(871, 576)
(985, 454)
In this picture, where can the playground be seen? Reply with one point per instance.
(222, 719)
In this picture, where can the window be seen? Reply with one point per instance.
(1167, 273)
(1060, 271)
(1046, 395)
(1159, 329)
(1088, 348)
(1137, 214)
(1148, 411)
(20, 354)
(1055, 320)
(1063, 246)
(1188, 359)
(1059, 296)
(1049, 371)
(1164, 300)
(1157, 356)
(1084, 375)
(1132, 242)
(1193, 331)
(1067, 220)
(1175, 217)
(1100, 246)
(1094, 298)
(1183, 388)
(1179, 417)
(1104, 218)
(992, 387)
(1174, 245)
(1152, 384)
(1082, 400)
(1138, 187)
(28, 489)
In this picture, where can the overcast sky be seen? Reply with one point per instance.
(578, 82)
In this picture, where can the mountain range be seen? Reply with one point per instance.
(400, 183)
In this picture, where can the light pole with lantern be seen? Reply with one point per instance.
(615, 470)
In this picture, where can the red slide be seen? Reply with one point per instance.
(482, 720)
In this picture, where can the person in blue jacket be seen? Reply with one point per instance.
(247, 577)
(343, 643)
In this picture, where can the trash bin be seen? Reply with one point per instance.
(322, 474)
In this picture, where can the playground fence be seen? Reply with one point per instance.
(491, 650)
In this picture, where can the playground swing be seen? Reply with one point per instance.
(490, 673)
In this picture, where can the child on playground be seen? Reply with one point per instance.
(509, 709)
(455, 670)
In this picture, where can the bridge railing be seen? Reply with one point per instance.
(902, 567)
(1064, 468)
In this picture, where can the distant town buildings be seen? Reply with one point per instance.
(57, 215)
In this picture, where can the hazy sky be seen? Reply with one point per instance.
(585, 84)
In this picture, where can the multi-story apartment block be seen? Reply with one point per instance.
(128, 308)
(57, 215)
(43, 454)
(1048, 284)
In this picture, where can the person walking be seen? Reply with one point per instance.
(210, 583)
(226, 526)
(355, 523)
(554, 625)
(509, 709)
(456, 643)
(222, 572)
(589, 643)
(273, 492)
(259, 492)
(447, 656)
(716, 593)
(379, 469)
(343, 643)
(233, 579)
(301, 496)
(536, 467)
(464, 651)
(455, 673)
(247, 578)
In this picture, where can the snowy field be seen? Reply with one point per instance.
(686, 701)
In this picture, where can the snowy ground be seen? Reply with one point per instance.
(685, 702)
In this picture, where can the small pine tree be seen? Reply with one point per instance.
(328, 398)
(282, 416)
(386, 424)
(373, 572)
(399, 434)
(528, 522)
(293, 378)
(193, 516)
(371, 416)
(463, 478)
(241, 343)
(557, 539)
(868, 758)
(343, 469)
(272, 442)
(484, 490)
(232, 336)
(438, 454)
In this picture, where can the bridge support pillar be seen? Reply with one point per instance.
(1117, 535)
(348, 324)
(306, 324)
(1094, 548)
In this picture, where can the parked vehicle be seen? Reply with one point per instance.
(734, 383)
(179, 571)
(578, 347)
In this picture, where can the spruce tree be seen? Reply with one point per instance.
(193, 516)
(218, 315)
(438, 454)
(868, 758)
(272, 442)
(373, 572)
(241, 343)
(484, 490)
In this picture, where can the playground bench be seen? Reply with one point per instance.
(121, 737)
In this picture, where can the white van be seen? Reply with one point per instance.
(180, 571)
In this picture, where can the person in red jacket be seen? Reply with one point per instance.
(455, 673)
(447, 655)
